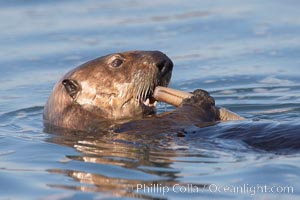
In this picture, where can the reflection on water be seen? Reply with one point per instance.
(246, 54)
(123, 162)
(141, 161)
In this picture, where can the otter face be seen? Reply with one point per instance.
(116, 86)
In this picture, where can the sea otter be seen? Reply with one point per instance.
(119, 88)
(113, 87)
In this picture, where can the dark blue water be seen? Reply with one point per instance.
(246, 54)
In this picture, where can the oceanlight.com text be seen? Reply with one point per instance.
(213, 188)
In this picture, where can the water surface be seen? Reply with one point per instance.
(246, 54)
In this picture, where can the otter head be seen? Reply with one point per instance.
(116, 86)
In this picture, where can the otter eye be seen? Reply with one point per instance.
(116, 62)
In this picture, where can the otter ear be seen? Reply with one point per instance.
(72, 87)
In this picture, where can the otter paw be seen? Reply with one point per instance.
(200, 98)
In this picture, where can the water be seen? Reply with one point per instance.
(245, 53)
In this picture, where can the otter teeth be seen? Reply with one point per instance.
(147, 103)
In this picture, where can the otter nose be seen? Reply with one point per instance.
(164, 66)
(160, 65)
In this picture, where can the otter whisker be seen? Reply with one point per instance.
(145, 92)
(139, 91)
(142, 92)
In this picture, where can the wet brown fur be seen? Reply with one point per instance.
(106, 92)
